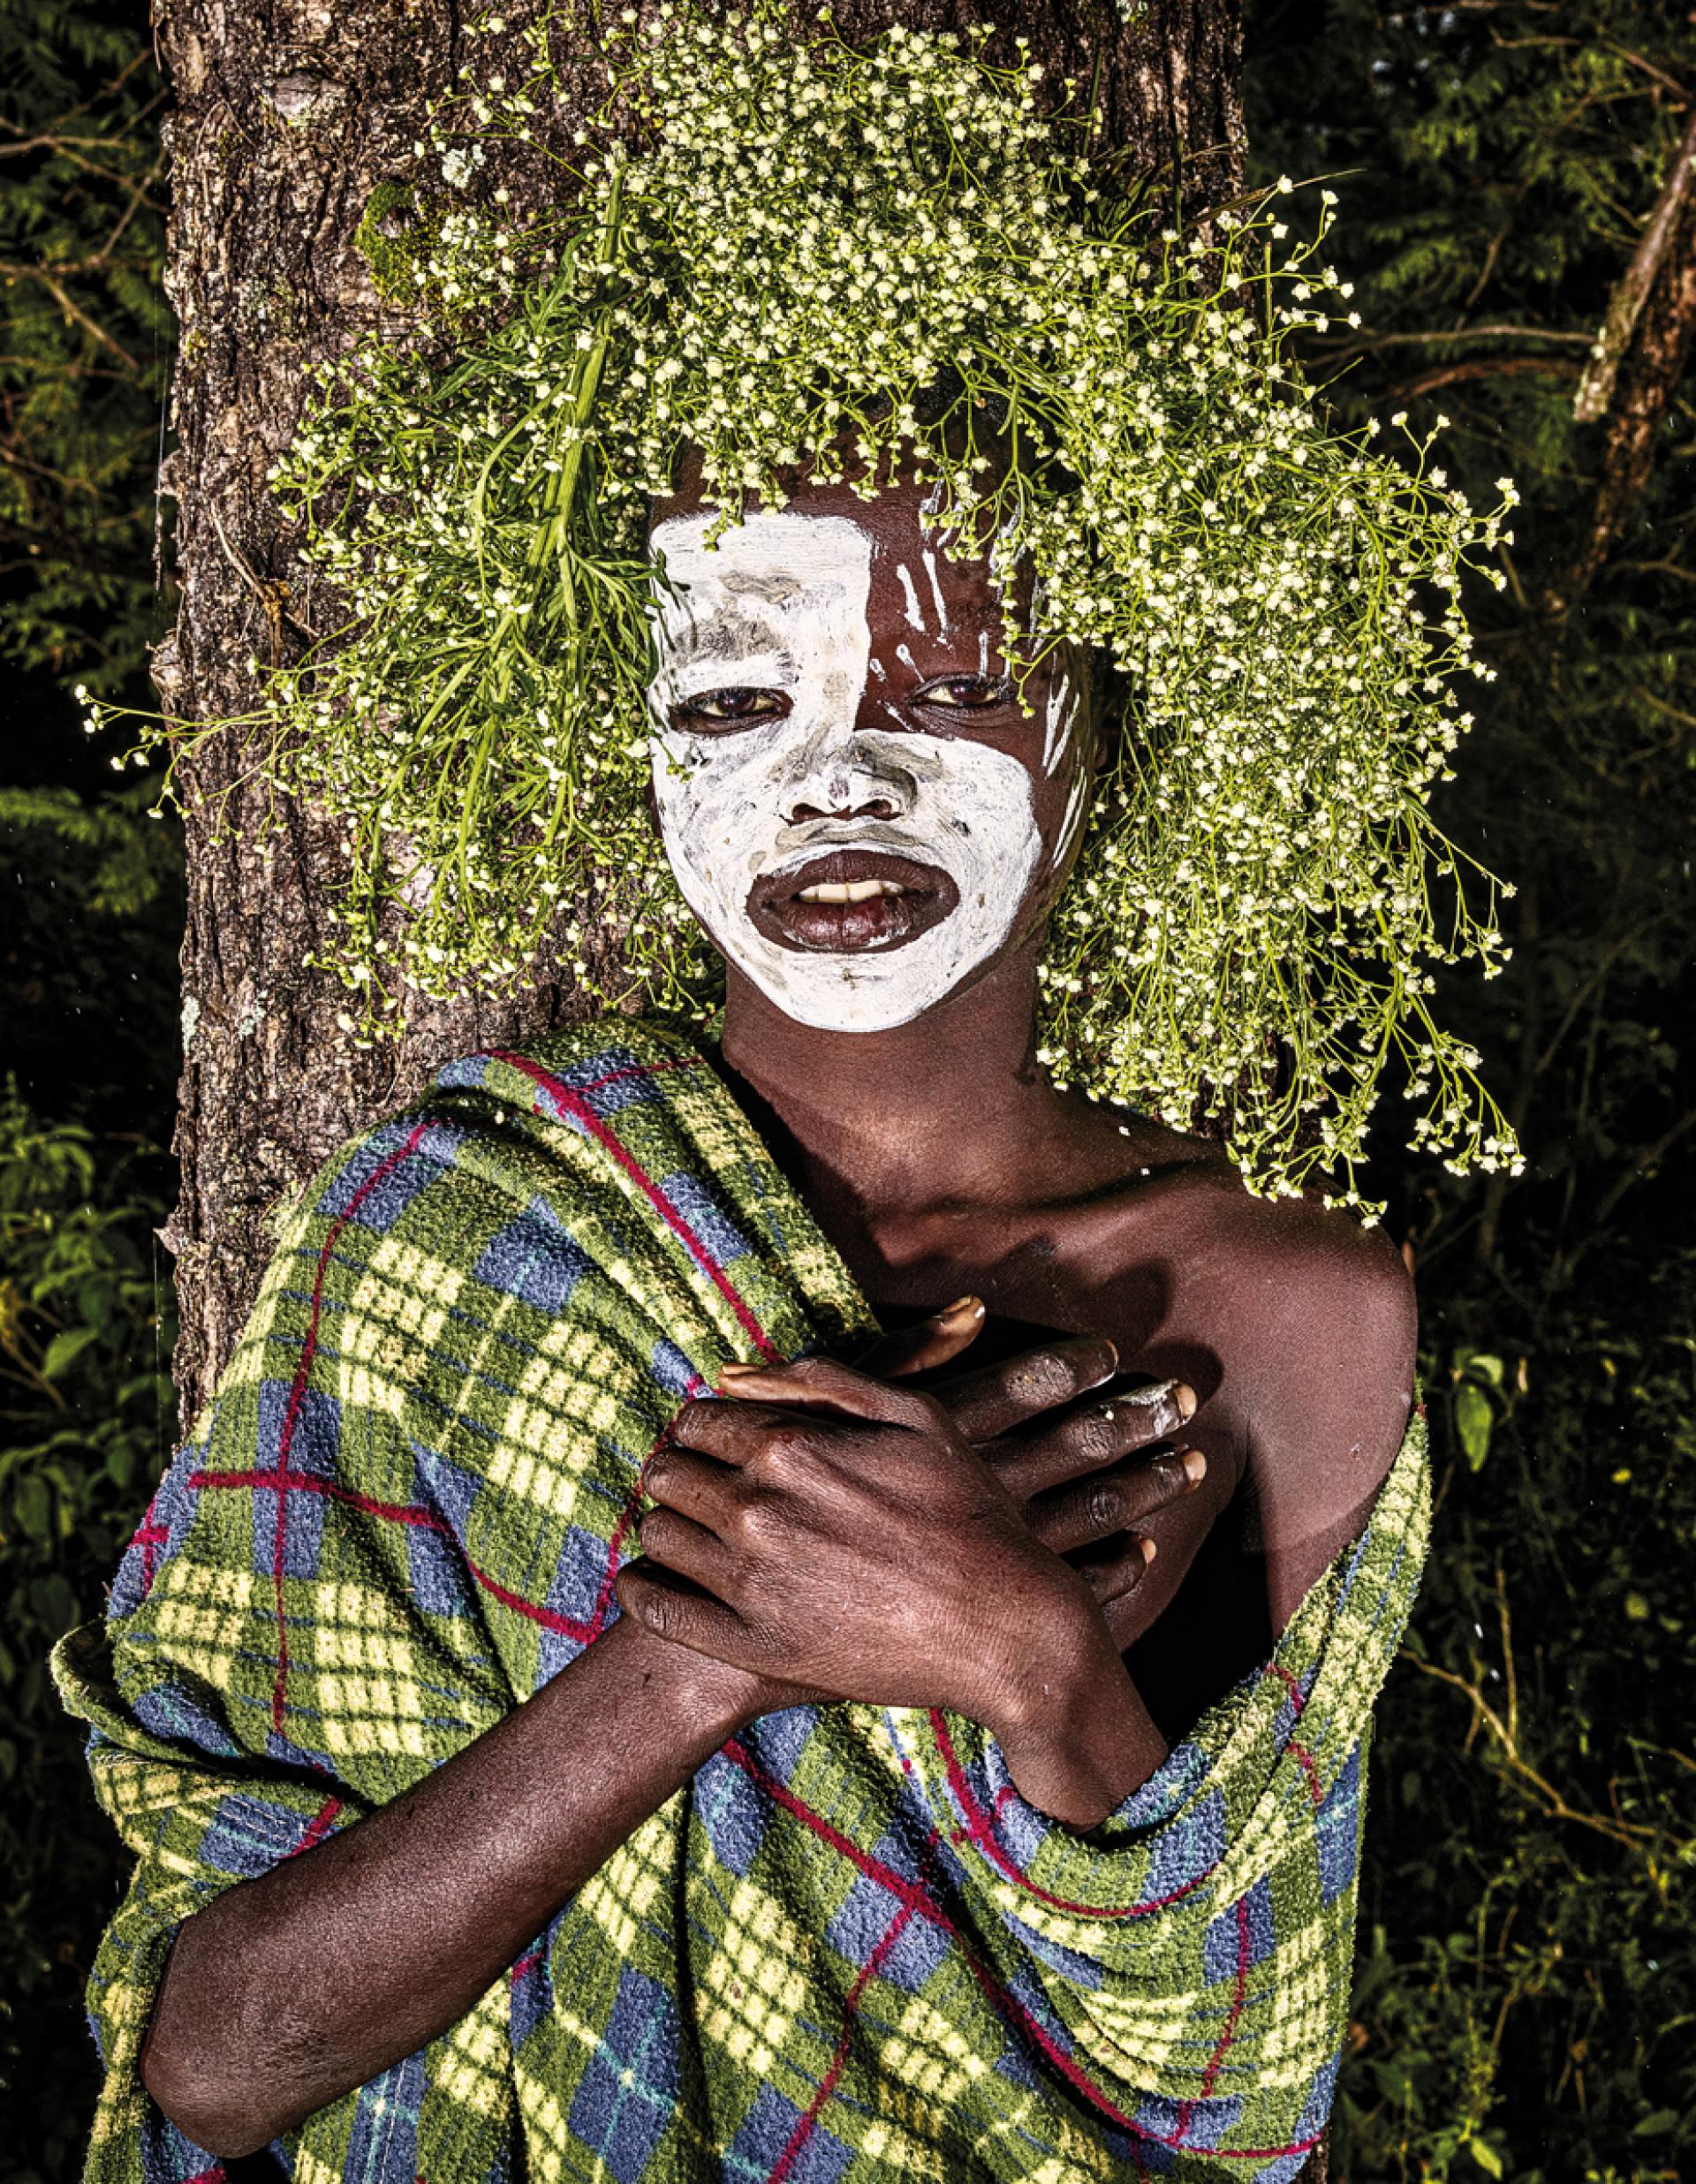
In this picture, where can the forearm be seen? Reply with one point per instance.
(289, 1990)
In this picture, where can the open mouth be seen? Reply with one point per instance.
(845, 900)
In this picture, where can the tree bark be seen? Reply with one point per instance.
(288, 114)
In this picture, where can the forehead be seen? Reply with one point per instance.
(770, 560)
(824, 539)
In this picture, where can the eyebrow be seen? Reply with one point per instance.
(726, 636)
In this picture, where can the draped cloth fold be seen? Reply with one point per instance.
(847, 1952)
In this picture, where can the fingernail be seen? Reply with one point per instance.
(1195, 1466)
(1185, 1398)
(734, 1372)
(1149, 1551)
(962, 1308)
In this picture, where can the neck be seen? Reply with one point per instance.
(948, 1110)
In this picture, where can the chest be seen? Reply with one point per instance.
(1169, 1317)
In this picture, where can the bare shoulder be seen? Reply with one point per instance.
(1309, 1320)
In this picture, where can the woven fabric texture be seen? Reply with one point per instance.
(848, 1951)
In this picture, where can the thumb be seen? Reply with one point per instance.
(936, 1341)
(820, 1384)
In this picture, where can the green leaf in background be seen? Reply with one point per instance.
(32, 1507)
(1474, 1420)
(65, 1349)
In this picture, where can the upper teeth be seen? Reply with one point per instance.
(850, 890)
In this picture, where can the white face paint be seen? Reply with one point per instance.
(782, 603)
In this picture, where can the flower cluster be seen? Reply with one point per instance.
(777, 256)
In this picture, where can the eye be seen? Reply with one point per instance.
(965, 693)
(726, 709)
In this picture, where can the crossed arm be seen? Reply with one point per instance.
(827, 1533)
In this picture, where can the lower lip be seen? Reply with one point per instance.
(880, 921)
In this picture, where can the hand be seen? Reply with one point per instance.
(1085, 1478)
(846, 1537)
(1088, 1475)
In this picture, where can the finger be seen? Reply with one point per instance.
(821, 1383)
(701, 1487)
(1128, 1616)
(1124, 1494)
(997, 1397)
(1088, 1437)
(1114, 1568)
(934, 1341)
(732, 1433)
(689, 1548)
(676, 1608)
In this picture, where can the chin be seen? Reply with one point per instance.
(866, 990)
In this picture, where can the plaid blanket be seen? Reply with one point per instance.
(847, 1952)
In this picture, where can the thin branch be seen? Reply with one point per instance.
(72, 309)
(1632, 291)
(1483, 280)
(15, 461)
(1459, 333)
(55, 144)
(1642, 1166)
(1660, 568)
(138, 197)
(106, 91)
(1660, 705)
(1485, 368)
(1629, 1834)
(1648, 68)
(1596, 977)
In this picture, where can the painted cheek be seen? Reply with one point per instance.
(718, 822)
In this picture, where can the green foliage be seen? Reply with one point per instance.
(94, 893)
(83, 333)
(1529, 1987)
(127, 866)
(1527, 1999)
(93, 917)
(86, 1412)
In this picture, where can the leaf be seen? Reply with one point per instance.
(1465, 1363)
(1473, 1419)
(1486, 2156)
(54, 1604)
(66, 1349)
(33, 1506)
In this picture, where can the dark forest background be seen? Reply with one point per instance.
(1513, 174)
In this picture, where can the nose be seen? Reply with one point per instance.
(873, 808)
(844, 774)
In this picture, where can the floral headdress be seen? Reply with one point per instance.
(765, 247)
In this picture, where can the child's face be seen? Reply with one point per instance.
(834, 693)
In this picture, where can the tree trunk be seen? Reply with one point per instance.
(288, 114)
